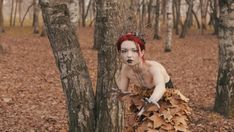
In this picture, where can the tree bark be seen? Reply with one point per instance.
(204, 5)
(186, 23)
(149, 25)
(98, 25)
(73, 70)
(36, 10)
(169, 27)
(109, 113)
(214, 15)
(12, 9)
(43, 31)
(20, 10)
(157, 21)
(224, 101)
(142, 21)
(16, 8)
(177, 19)
(1, 17)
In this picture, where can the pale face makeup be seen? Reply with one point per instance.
(130, 53)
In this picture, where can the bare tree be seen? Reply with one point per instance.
(214, 15)
(73, 70)
(157, 21)
(224, 101)
(204, 7)
(169, 26)
(22, 22)
(20, 10)
(16, 8)
(36, 10)
(149, 13)
(186, 23)
(84, 13)
(177, 16)
(142, 21)
(1, 17)
(12, 9)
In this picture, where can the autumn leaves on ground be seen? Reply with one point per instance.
(31, 96)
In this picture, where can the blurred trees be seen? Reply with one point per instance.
(1, 17)
(143, 14)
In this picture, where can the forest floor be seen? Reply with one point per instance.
(31, 95)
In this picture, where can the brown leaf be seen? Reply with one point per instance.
(167, 127)
(180, 120)
(181, 128)
(167, 115)
(158, 121)
(151, 107)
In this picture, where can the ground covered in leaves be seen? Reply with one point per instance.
(31, 95)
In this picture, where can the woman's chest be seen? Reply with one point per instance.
(141, 79)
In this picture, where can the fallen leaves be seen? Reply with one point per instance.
(171, 116)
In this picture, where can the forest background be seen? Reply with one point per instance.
(31, 93)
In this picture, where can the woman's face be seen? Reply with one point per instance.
(130, 53)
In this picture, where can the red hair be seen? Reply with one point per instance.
(132, 37)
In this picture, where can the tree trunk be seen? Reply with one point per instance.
(149, 25)
(73, 70)
(214, 15)
(195, 16)
(224, 101)
(142, 22)
(43, 31)
(1, 17)
(22, 22)
(203, 4)
(20, 10)
(16, 8)
(177, 19)
(157, 21)
(82, 2)
(186, 23)
(36, 10)
(12, 9)
(109, 113)
(164, 3)
(169, 26)
(98, 25)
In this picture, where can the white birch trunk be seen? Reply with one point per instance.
(169, 27)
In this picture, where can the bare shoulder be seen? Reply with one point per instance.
(154, 64)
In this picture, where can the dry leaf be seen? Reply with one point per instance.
(158, 121)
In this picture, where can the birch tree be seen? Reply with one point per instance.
(224, 101)
(109, 113)
(157, 21)
(169, 27)
(73, 70)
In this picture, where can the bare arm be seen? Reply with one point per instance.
(123, 80)
(159, 81)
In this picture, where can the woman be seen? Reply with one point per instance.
(148, 75)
